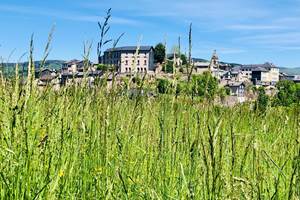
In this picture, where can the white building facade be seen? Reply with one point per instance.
(130, 59)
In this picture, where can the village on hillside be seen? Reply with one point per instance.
(133, 60)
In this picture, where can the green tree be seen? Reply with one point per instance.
(298, 92)
(103, 67)
(262, 101)
(286, 93)
(159, 53)
(183, 59)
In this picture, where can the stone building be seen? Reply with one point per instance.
(130, 59)
(262, 74)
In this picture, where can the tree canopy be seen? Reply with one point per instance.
(288, 93)
(159, 53)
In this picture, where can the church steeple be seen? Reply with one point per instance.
(214, 62)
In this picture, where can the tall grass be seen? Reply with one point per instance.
(86, 143)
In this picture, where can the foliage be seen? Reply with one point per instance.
(90, 143)
(183, 59)
(223, 92)
(297, 94)
(163, 86)
(103, 67)
(205, 85)
(262, 101)
(104, 28)
(168, 68)
(227, 90)
(159, 53)
(287, 93)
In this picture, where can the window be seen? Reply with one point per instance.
(138, 62)
(126, 69)
(145, 62)
(126, 62)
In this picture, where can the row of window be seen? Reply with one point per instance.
(139, 69)
(136, 57)
(138, 62)
(138, 53)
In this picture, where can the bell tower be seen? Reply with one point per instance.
(214, 61)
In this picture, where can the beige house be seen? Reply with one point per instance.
(130, 59)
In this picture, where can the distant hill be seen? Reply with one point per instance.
(9, 68)
(290, 71)
(199, 60)
(53, 64)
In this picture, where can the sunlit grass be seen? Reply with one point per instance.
(83, 143)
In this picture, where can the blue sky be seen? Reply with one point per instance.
(241, 31)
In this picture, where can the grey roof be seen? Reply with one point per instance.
(130, 48)
(74, 61)
(266, 65)
(236, 69)
(47, 69)
(260, 69)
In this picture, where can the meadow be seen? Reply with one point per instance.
(94, 143)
